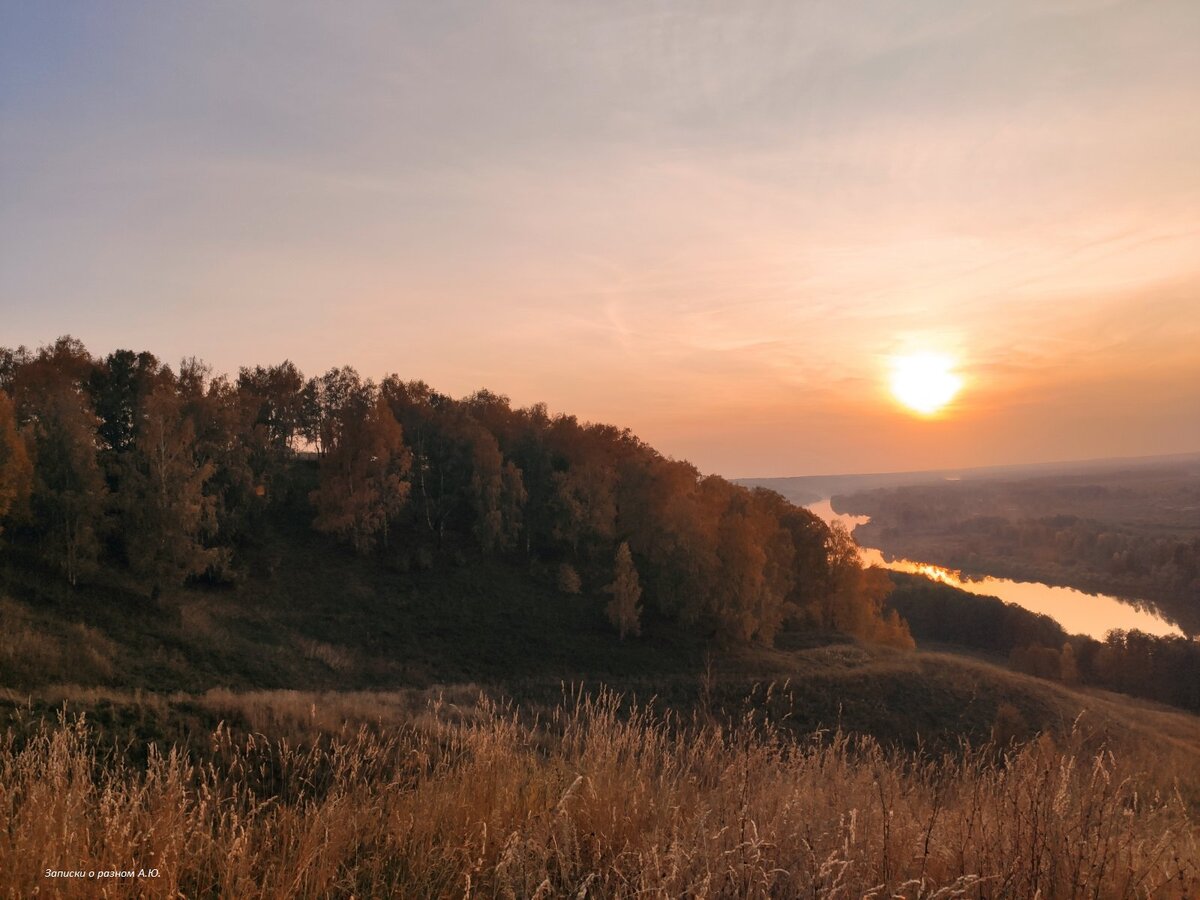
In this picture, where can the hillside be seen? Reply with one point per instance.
(379, 772)
(183, 532)
(330, 631)
(122, 474)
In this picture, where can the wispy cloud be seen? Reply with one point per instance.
(701, 220)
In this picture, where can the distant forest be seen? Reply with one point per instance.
(123, 470)
(1166, 669)
(1132, 533)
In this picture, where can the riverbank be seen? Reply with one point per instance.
(1078, 611)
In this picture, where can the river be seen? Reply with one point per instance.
(1078, 612)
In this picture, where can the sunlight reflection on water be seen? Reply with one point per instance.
(1078, 612)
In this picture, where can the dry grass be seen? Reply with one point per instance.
(299, 715)
(589, 802)
(74, 650)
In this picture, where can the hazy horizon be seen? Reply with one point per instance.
(716, 227)
(1035, 464)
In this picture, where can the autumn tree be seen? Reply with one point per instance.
(324, 404)
(854, 602)
(584, 504)
(12, 360)
(69, 493)
(364, 468)
(230, 443)
(276, 397)
(496, 492)
(166, 515)
(273, 411)
(755, 577)
(658, 508)
(31, 375)
(533, 454)
(117, 386)
(567, 579)
(890, 630)
(808, 539)
(1068, 664)
(417, 408)
(463, 485)
(624, 609)
(16, 471)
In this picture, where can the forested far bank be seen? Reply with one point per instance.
(1130, 532)
(123, 469)
(1165, 669)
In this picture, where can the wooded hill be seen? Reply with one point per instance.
(121, 471)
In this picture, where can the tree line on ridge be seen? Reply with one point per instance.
(121, 466)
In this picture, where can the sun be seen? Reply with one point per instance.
(924, 382)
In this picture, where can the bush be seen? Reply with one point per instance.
(568, 579)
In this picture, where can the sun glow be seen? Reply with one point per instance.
(924, 382)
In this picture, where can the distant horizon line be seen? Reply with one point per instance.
(1153, 457)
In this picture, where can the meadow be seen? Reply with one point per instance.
(436, 794)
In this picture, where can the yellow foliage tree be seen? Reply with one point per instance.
(624, 609)
(16, 471)
(364, 473)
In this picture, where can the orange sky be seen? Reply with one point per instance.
(713, 223)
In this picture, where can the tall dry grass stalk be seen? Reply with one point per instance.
(591, 801)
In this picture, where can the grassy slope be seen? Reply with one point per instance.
(326, 623)
(170, 674)
(323, 622)
(587, 799)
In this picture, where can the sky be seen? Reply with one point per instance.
(717, 224)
